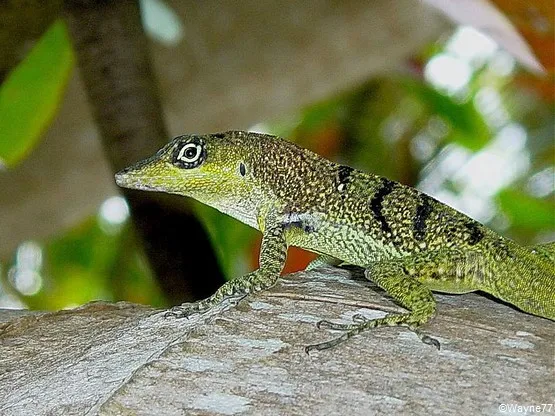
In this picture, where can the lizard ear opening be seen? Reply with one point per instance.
(190, 153)
(242, 169)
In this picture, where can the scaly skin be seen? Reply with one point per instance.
(409, 243)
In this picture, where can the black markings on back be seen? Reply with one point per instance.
(502, 250)
(219, 135)
(344, 172)
(343, 176)
(376, 202)
(475, 233)
(423, 211)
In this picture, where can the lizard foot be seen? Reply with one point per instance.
(187, 309)
(361, 323)
(357, 319)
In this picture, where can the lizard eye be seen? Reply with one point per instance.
(190, 154)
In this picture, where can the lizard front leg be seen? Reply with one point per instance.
(273, 253)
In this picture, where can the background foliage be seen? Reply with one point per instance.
(461, 121)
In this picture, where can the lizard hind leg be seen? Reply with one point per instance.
(394, 277)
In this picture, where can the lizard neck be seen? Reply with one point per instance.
(243, 209)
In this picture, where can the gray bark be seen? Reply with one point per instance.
(123, 359)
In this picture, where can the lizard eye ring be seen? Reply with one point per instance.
(189, 154)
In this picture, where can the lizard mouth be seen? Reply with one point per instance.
(134, 178)
(137, 176)
(126, 180)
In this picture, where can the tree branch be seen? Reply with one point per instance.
(113, 58)
(119, 359)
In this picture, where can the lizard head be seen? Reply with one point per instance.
(213, 169)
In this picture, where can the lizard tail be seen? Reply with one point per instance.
(539, 291)
(527, 279)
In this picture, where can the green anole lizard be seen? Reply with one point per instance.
(409, 243)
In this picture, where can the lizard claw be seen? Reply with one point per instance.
(323, 324)
(358, 318)
(331, 325)
(426, 339)
(430, 341)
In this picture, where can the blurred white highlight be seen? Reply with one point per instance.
(161, 23)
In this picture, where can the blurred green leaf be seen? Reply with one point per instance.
(31, 94)
(85, 263)
(468, 127)
(232, 240)
(527, 212)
